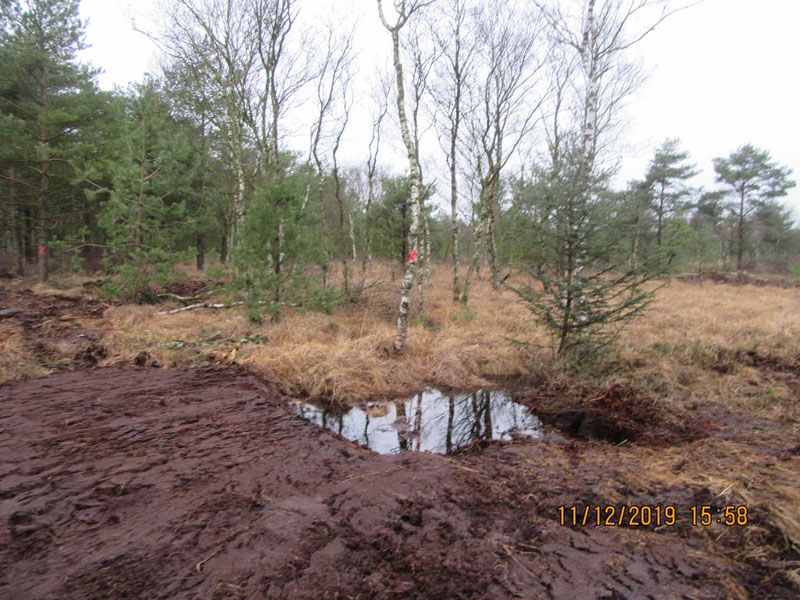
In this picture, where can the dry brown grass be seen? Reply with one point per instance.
(684, 316)
(345, 355)
(61, 284)
(696, 339)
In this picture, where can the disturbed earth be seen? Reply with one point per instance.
(147, 483)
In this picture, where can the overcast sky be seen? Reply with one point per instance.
(722, 74)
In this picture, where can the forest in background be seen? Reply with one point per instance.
(523, 102)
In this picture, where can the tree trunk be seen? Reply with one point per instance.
(43, 210)
(279, 258)
(475, 260)
(321, 195)
(452, 164)
(454, 218)
(416, 186)
(353, 248)
(239, 197)
(223, 245)
(586, 160)
(16, 228)
(140, 205)
(365, 258)
(201, 251)
(44, 182)
(422, 268)
(27, 227)
(660, 215)
(740, 234)
(492, 239)
(633, 263)
(337, 193)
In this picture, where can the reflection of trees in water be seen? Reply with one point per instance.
(451, 413)
(428, 421)
(468, 418)
(401, 424)
(418, 421)
(474, 420)
(328, 418)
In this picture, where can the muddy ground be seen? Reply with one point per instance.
(135, 482)
(145, 483)
(60, 332)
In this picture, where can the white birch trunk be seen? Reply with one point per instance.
(589, 134)
(239, 200)
(416, 185)
(423, 267)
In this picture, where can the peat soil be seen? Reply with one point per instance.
(58, 329)
(125, 482)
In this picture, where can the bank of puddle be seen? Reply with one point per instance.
(431, 421)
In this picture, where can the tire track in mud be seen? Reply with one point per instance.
(148, 483)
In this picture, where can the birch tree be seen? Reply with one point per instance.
(506, 111)
(456, 50)
(333, 80)
(346, 226)
(380, 109)
(404, 10)
(217, 40)
(285, 69)
(423, 58)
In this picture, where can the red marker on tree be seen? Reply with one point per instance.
(412, 256)
(42, 250)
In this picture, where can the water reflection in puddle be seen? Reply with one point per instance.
(430, 421)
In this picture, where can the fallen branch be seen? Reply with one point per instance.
(175, 311)
(197, 305)
(186, 299)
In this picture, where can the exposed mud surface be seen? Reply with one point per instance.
(145, 483)
(58, 330)
(618, 413)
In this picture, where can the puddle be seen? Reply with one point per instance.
(431, 421)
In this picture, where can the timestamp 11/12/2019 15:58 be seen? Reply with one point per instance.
(656, 515)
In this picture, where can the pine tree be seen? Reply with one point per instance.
(666, 179)
(46, 37)
(145, 216)
(12, 148)
(774, 238)
(754, 179)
